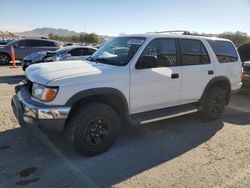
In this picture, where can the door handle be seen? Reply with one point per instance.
(175, 76)
(210, 72)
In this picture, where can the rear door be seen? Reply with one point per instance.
(41, 45)
(197, 69)
(75, 54)
(87, 52)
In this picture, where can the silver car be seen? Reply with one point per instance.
(23, 47)
(63, 54)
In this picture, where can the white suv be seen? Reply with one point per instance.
(135, 78)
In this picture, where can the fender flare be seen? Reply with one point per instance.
(99, 91)
(216, 80)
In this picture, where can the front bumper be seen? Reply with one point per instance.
(30, 113)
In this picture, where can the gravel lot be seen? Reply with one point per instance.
(181, 152)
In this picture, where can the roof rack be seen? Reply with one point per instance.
(182, 32)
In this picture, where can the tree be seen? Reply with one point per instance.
(51, 36)
(239, 38)
(91, 38)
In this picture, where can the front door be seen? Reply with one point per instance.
(160, 86)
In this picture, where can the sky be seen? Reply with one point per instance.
(113, 17)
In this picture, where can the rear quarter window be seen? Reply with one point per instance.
(224, 51)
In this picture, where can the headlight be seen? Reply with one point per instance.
(44, 93)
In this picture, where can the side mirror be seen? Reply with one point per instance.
(146, 62)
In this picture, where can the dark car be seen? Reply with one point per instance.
(5, 42)
(63, 54)
(244, 52)
(23, 47)
(246, 77)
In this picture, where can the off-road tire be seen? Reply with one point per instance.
(214, 104)
(80, 126)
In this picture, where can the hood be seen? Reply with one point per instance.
(46, 72)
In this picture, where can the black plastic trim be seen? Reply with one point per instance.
(97, 91)
(210, 85)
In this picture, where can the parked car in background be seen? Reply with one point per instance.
(244, 52)
(4, 42)
(246, 76)
(63, 54)
(24, 47)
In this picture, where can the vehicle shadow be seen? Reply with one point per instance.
(25, 161)
(238, 111)
(11, 79)
(140, 148)
(137, 150)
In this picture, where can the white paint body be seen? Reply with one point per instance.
(144, 89)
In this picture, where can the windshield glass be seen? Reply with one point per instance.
(118, 51)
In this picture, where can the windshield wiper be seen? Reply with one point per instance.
(105, 61)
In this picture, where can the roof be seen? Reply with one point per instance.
(76, 46)
(171, 35)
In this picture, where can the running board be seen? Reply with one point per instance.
(165, 113)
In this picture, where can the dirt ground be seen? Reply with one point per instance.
(181, 152)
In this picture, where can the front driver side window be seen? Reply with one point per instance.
(164, 49)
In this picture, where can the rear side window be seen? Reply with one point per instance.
(85, 51)
(76, 52)
(40, 43)
(224, 51)
(193, 52)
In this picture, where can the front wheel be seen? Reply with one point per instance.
(214, 104)
(94, 128)
(4, 59)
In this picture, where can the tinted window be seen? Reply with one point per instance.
(85, 51)
(91, 51)
(193, 52)
(46, 43)
(76, 52)
(164, 50)
(32, 43)
(36, 43)
(22, 43)
(224, 51)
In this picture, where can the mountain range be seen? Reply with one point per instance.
(45, 31)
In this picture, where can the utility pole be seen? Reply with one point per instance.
(85, 25)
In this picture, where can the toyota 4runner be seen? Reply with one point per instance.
(131, 79)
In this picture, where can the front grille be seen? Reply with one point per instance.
(29, 86)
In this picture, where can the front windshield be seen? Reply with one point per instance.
(118, 51)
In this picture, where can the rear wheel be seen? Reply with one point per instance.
(4, 59)
(94, 128)
(214, 104)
